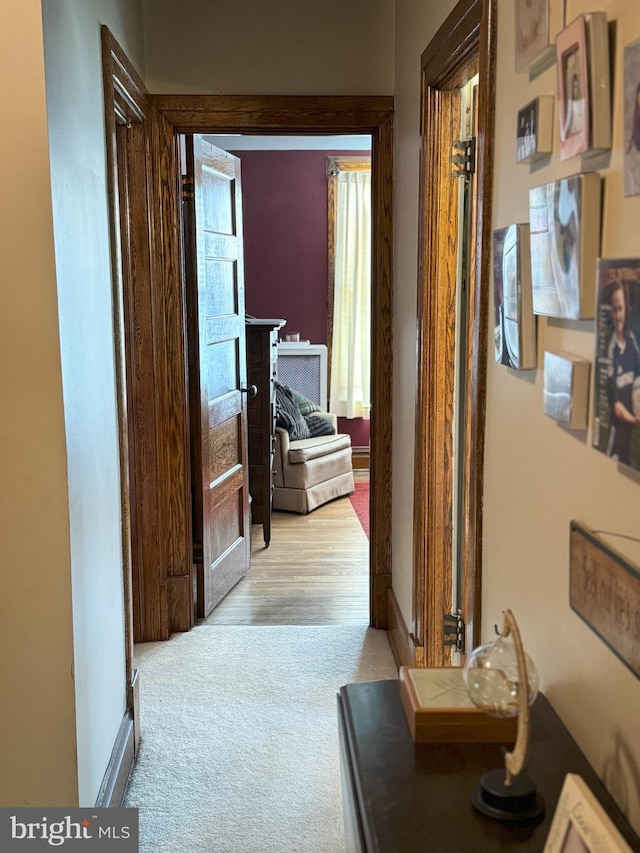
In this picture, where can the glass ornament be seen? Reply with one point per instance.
(492, 680)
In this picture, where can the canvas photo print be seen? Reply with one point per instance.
(565, 240)
(532, 31)
(632, 119)
(537, 23)
(535, 130)
(566, 389)
(616, 426)
(573, 89)
(527, 130)
(514, 327)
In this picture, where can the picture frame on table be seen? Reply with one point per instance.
(616, 387)
(580, 823)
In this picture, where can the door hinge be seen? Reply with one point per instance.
(187, 186)
(454, 631)
(463, 158)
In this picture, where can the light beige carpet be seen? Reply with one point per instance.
(239, 750)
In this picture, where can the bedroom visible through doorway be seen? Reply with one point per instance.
(316, 568)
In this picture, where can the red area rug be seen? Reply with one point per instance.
(360, 502)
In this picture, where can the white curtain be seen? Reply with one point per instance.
(351, 344)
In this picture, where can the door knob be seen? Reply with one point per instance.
(251, 390)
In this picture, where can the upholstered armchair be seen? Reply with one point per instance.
(311, 471)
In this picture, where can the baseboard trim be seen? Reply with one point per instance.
(360, 458)
(402, 644)
(115, 780)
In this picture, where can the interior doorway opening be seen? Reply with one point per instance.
(452, 322)
(289, 265)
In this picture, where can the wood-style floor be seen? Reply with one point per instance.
(314, 572)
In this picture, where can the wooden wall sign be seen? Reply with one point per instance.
(604, 590)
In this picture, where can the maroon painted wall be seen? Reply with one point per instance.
(284, 202)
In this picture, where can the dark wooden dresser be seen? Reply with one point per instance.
(403, 798)
(262, 356)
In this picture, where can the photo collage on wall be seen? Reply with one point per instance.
(567, 279)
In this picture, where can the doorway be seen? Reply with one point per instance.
(315, 569)
(152, 360)
(453, 328)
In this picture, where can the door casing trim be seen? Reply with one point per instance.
(469, 32)
(258, 115)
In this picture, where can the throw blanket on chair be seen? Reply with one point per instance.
(289, 416)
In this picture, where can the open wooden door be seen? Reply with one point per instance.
(218, 371)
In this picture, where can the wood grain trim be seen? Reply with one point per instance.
(348, 164)
(469, 31)
(381, 372)
(454, 45)
(401, 641)
(256, 114)
(273, 113)
(149, 315)
(169, 333)
(332, 220)
(360, 458)
(116, 68)
(477, 392)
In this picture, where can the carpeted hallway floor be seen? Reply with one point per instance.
(239, 750)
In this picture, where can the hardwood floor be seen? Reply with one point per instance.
(315, 572)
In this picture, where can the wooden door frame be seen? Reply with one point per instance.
(265, 115)
(150, 326)
(467, 39)
(151, 382)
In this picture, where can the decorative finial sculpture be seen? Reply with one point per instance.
(495, 676)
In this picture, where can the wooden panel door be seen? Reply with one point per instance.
(222, 442)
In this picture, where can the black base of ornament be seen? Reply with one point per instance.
(518, 803)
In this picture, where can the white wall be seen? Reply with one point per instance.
(537, 476)
(81, 230)
(37, 720)
(283, 48)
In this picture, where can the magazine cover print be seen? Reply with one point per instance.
(616, 429)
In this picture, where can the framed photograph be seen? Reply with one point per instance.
(584, 94)
(537, 24)
(565, 244)
(566, 389)
(616, 404)
(632, 119)
(573, 89)
(515, 330)
(580, 823)
(535, 130)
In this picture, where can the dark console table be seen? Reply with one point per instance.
(403, 798)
